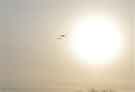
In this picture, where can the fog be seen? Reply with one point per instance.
(33, 60)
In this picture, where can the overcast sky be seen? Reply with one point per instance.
(31, 56)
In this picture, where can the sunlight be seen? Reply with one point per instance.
(96, 40)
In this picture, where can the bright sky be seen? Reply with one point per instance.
(29, 49)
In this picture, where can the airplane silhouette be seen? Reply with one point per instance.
(61, 36)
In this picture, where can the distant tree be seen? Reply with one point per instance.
(110, 90)
(104, 90)
(92, 90)
(107, 90)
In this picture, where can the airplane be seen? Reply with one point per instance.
(61, 36)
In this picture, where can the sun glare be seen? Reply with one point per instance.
(96, 40)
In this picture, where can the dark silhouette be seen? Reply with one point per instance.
(61, 36)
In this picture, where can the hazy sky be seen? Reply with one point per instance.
(30, 55)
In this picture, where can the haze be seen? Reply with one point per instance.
(33, 60)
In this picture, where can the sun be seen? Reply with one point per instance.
(96, 40)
